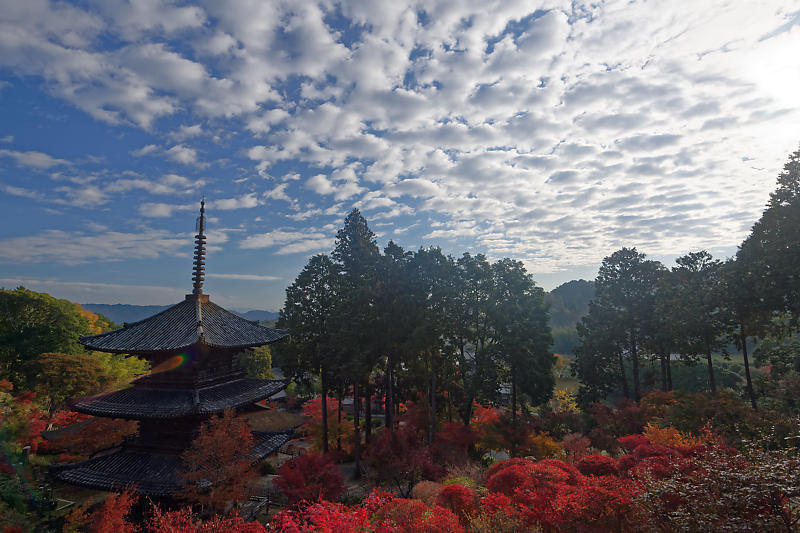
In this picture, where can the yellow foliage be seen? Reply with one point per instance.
(564, 401)
(669, 437)
(542, 446)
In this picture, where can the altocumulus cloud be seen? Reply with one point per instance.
(505, 126)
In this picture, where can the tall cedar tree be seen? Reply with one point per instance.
(772, 250)
(312, 303)
(626, 287)
(356, 253)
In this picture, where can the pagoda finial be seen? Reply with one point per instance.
(200, 250)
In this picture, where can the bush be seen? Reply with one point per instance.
(309, 478)
(457, 498)
(426, 491)
(631, 442)
(597, 465)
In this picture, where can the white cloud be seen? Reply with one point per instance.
(32, 159)
(184, 154)
(242, 277)
(241, 202)
(79, 248)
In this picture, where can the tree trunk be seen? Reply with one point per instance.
(513, 415)
(367, 412)
(339, 417)
(388, 408)
(637, 394)
(750, 392)
(663, 372)
(324, 409)
(711, 382)
(669, 372)
(356, 430)
(433, 400)
(623, 377)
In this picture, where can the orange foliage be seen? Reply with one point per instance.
(669, 437)
(217, 465)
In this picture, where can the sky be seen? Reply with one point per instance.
(546, 131)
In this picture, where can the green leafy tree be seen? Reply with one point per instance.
(33, 323)
(63, 376)
(257, 362)
(626, 286)
(600, 355)
(697, 306)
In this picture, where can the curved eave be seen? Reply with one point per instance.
(148, 404)
(149, 473)
(86, 341)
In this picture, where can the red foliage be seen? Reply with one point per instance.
(110, 517)
(183, 521)
(457, 498)
(507, 480)
(495, 468)
(322, 517)
(625, 419)
(648, 450)
(453, 441)
(401, 459)
(336, 430)
(597, 465)
(216, 467)
(401, 515)
(625, 463)
(631, 442)
(309, 478)
(573, 473)
(12, 529)
(89, 436)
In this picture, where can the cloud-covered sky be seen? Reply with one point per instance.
(548, 131)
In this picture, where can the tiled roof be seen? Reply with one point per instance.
(139, 403)
(147, 472)
(192, 321)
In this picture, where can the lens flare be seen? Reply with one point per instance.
(171, 364)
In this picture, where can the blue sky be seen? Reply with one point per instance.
(551, 132)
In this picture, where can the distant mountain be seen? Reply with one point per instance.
(569, 302)
(121, 313)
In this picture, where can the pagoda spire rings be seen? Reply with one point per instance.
(198, 271)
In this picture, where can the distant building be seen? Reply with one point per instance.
(191, 347)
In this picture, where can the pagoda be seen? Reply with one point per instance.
(191, 347)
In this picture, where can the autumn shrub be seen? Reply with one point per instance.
(497, 514)
(539, 446)
(631, 442)
(573, 474)
(110, 517)
(669, 437)
(309, 478)
(575, 447)
(399, 459)
(624, 418)
(401, 515)
(457, 498)
(324, 517)
(501, 465)
(597, 465)
(720, 489)
(426, 491)
(648, 450)
(453, 442)
(507, 480)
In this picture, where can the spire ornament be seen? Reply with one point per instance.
(198, 271)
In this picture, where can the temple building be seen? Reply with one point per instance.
(192, 348)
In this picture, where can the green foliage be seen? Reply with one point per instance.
(257, 362)
(33, 323)
(63, 376)
(569, 302)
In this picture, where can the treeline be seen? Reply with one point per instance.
(419, 326)
(644, 311)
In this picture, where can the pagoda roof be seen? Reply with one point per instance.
(139, 403)
(148, 472)
(196, 320)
